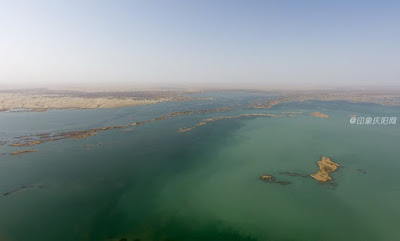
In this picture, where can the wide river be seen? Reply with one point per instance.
(154, 183)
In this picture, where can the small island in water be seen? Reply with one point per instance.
(326, 166)
(320, 115)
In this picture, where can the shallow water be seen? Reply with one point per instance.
(157, 184)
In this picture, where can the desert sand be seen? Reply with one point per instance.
(10, 101)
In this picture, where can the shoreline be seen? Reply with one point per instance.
(43, 100)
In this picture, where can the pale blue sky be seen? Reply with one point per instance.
(231, 43)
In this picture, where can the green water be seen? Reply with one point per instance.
(157, 184)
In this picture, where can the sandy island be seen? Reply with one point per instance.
(319, 114)
(326, 166)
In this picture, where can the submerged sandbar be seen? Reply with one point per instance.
(21, 152)
(272, 179)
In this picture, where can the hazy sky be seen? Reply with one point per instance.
(264, 43)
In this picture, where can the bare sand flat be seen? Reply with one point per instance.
(41, 100)
(10, 101)
(388, 98)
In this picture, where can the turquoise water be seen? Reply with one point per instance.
(156, 184)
